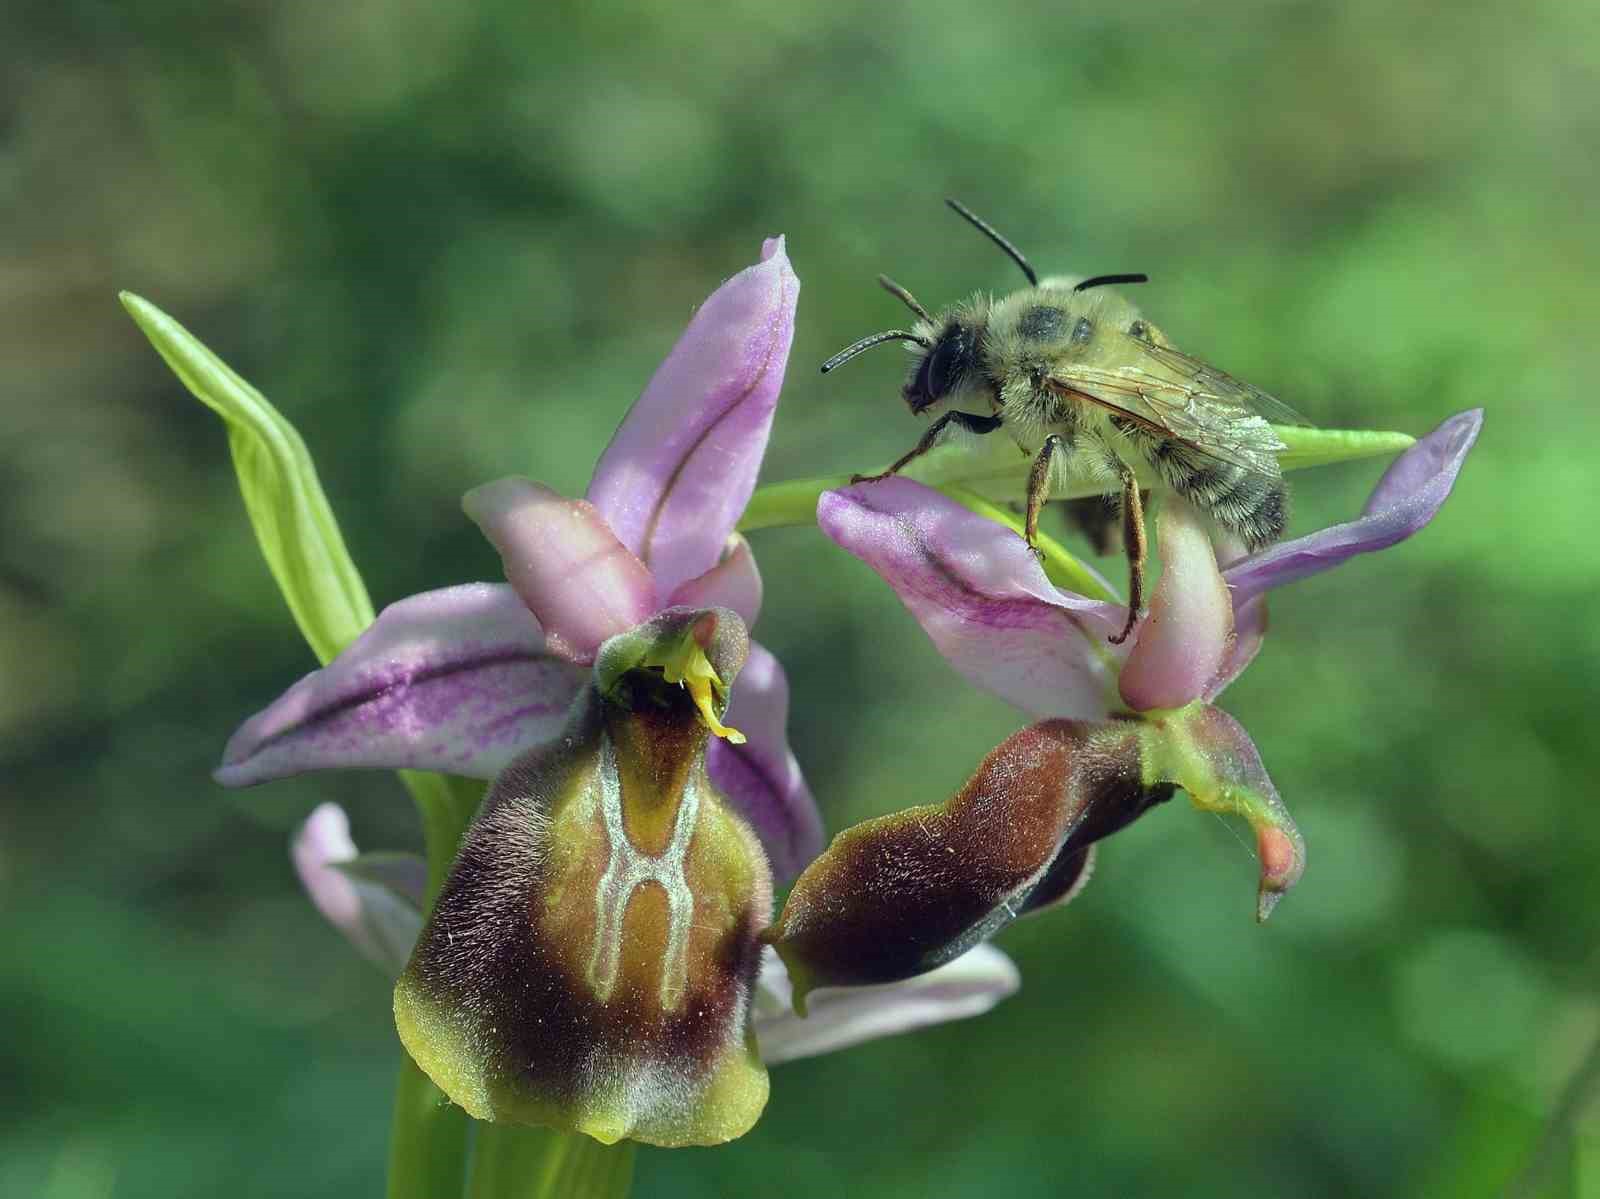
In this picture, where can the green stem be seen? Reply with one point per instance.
(1557, 1135)
(428, 1133)
(788, 504)
(446, 806)
(512, 1162)
(428, 1144)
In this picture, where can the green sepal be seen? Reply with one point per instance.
(1305, 447)
(995, 469)
(294, 525)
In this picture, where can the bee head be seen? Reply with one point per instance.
(942, 367)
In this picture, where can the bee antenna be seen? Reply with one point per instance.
(904, 296)
(866, 343)
(989, 231)
(1100, 280)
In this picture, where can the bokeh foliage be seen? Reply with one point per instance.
(451, 241)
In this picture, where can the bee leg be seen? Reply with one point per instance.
(968, 421)
(1133, 544)
(1039, 487)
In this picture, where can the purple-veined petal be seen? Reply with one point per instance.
(844, 1016)
(681, 467)
(375, 907)
(1184, 640)
(1407, 498)
(761, 778)
(734, 582)
(456, 680)
(565, 562)
(979, 593)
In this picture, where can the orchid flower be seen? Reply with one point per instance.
(642, 782)
(1123, 725)
(587, 688)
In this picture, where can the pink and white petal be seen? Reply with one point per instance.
(457, 680)
(762, 778)
(681, 467)
(844, 1016)
(1407, 497)
(979, 593)
(734, 582)
(583, 584)
(380, 920)
(1184, 640)
(1249, 631)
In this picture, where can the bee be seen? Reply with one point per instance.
(1085, 385)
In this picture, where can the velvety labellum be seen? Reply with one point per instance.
(590, 960)
(900, 895)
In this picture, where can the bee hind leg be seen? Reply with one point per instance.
(967, 421)
(1133, 544)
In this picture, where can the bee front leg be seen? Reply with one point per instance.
(968, 421)
(1133, 544)
(1039, 486)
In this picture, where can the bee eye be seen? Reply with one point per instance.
(949, 361)
(1139, 329)
(1083, 330)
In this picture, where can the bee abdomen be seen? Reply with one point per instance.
(1252, 506)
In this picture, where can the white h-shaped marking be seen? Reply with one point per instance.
(627, 870)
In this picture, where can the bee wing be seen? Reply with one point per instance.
(1190, 402)
(1221, 385)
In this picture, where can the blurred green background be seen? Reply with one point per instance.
(452, 241)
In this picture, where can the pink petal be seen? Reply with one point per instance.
(734, 582)
(456, 680)
(378, 919)
(839, 1017)
(1184, 639)
(681, 467)
(979, 593)
(1407, 497)
(1249, 631)
(569, 568)
(761, 778)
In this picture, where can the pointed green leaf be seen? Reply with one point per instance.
(295, 527)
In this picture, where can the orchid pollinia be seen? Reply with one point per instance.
(591, 947)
